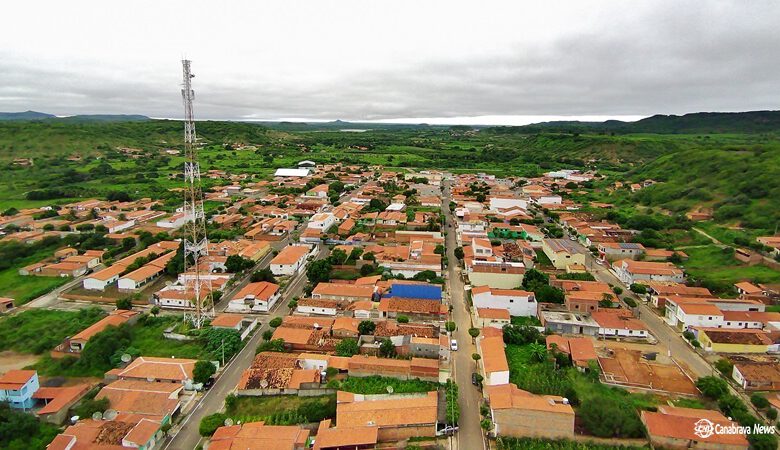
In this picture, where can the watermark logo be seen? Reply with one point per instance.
(704, 428)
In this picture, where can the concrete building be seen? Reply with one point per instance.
(562, 253)
(516, 301)
(518, 413)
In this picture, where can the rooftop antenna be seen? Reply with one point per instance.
(195, 240)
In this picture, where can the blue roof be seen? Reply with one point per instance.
(424, 291)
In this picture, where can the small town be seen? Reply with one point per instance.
(390, 225)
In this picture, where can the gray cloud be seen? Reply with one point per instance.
(675, 57)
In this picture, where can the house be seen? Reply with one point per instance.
(494, 363)
(502, 275)
(322, 222)
(562, 253)
(492, 317)
(675, 429)
(76, 343)
(619, 324)
(757, 375)
(274, 373)
(610, 251)
(568, 323)
(6, 304)
(397, 417)
(255, 297)
(630, 272)
(163, 370)
(291, 173)
(343, 292)
(518, 413)
(697, 315)
(228, 321)
(290, 260)
(315, 306)
(58, 401)
(173, 222)
(259, 436)
(17, 388)
(516, 301)
(338, 438)
(126, 431)
(657, 292)
(159, 401)
(722, 340)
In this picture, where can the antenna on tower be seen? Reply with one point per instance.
(196, 244)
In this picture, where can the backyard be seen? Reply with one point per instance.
(281, 409)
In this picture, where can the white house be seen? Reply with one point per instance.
(497, 203)
(255, 298)
(101, 279)
(617, 324)
(698, 315)
(175, 221)
(317, 307)
(493, 360)
(517, 302)
(629, 271)
(322, 221)
(290, 260)
(291, 173)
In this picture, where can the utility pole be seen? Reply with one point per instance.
(196, 244)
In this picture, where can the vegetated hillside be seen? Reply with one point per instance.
(694, 123)
(741, 184)
(64, 136)
(26, 115)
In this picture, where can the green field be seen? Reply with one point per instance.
(718, 269)
(281, 408)
(379, 385)
(40, 330)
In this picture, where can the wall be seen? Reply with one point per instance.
(530, 423)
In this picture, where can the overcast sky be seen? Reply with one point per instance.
(434, 61)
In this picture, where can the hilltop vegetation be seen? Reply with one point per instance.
(736, 175)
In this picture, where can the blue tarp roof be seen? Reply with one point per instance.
(424, 291)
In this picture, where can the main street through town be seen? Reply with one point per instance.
(469, 436)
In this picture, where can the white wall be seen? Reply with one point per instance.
(516, 305)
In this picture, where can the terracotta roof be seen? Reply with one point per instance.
(493, 356)
(509, 396)
(258, 436)
(290, 254)
(227, 320)
(142, 432)
(493, 313)
(15, 379)
(617, 320)
(355, 410)
(143, 367)
(737, 336)
(110, 320)
(344, 437)
(344, 290)
(700, 309)
(142, 397)
(261, 290)
(683, 426)
(59, 397)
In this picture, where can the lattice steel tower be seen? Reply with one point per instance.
(196, 243)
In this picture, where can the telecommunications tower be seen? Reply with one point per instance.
(196, 244)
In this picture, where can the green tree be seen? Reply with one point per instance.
(263, 275)
(725, 366)
(202, 371)
(450, 326)
(366, 327)
(209, 424)
(759, 401)
(347, 347)
(319, 271)
(459, 252)
(267, 335)
(402, 319)
(125, 303)
(387, 348)
(712, 387)
(237, 263)
(533, 279)
(474, 332)
(275, 322)
(607, 416)
(638, 288)
(155, 310)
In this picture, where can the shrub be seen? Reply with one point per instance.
(125, 303)
(771, 413)
(209, 424)
(610, 417)
(450, 326)
(402, 319)
(712, 387)
(688, 335)
(696, 343)
(617, 290)
(630, 302)
(202, 371)
(347, 347)
(275, 322)
(759, 401)
(725, 366)
(638, 288)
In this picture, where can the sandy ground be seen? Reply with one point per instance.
(10, 360)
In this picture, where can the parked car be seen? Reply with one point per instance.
(454, 345)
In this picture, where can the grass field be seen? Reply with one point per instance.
(149, 340)
(39, 330)
(378, 385)
(25, 288)
(712, 265)
(309, 409)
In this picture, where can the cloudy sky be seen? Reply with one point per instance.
(434, 61)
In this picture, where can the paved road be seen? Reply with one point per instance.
(469, 435)
(187, 436)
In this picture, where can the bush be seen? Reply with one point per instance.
(125, 303)
(688, 335)
(630, 302)
(347, 347)
(638, 288)
(759, 401)
(617, 290)
(610, 417)
(402, 319)
(712, 387)
(275, 322)
(771, 413)
(209, 424)
(724, 366)
(696, 343)
(202, 371)
(366, 327)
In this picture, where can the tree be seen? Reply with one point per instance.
(275, 322)
(366, 327)
(759, 401)
(263, 275)
(292, 304)
(319, 271)
(439, 250)
(474, 332)
(549, 294)
(607, 416)
(617, 290)
(537, 351)
(638, 288)
(712, 387)
(125, 303)
(450, 326)
(476, 357)
(267, 335)
(219, 341)
(209, 424)
(155, 310)
(606, 301)
(202, 371)
(532, 279)
(387, 348)
(402, 319)
(237, 263)
(725, 366)
(367, 269)
(347, 347)
(459, 252)
(522, 334)
(338, 256)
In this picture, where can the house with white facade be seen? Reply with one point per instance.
(290, 260)
(629, 272)
(517, 302)
(256, 297)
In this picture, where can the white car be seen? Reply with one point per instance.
(454, 345)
